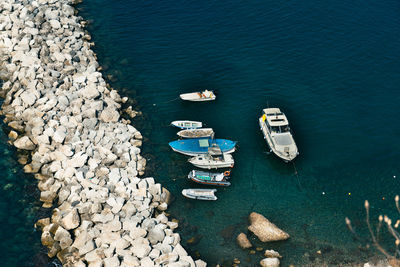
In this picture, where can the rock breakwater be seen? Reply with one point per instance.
(86, 158)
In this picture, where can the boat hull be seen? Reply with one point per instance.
(220, 183)
(196, 133)
(200, 194)
(187, 125)
(198, 96)
(193, 147)
(202, 177)
(209, 163)
(195, 153)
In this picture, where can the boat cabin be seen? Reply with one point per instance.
(275, 120)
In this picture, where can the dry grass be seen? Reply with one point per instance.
(393, 258)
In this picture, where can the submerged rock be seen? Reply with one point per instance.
(264, 229)
(272, 254)
(270, 262)
(243, 241)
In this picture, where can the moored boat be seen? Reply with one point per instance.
(201, 194)
(208, 161)
(193, 147)
(205, 95)
(187, 124)
(196, 133)
(276, 130)
(210, 178)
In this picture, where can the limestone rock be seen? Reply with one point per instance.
(243, 241)
(140, 247)
(71, 221)
(41, 223)
(64, 237)
(109, 115)
(200, 263)
(166, 196)
(111, 262)
(163, 206)
(94, 255)
(146, 262)
(55, 24)
(28, 98)
(47, 239)
(13, 135)
(130, 261)
(264, 229)
(272, 254)
(90, 92)
(270, 262)
(179, 250)
(156, 234)
(24, 143)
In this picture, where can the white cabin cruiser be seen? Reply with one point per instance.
(275, 128)
(209, 161)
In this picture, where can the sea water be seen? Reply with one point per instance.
(332, 67)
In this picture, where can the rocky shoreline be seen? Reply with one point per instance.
(85, 156)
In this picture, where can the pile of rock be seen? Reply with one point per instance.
(266, 232)
(85, 157)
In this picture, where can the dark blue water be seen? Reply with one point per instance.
(19, 210)
(332, 67)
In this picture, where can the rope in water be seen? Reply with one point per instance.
(297, 175)
(167, 101)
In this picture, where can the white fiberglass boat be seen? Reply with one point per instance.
(187, 124)
(196, 133)
(198, 96)
(208, 161)
(275, 128)
(201, 194)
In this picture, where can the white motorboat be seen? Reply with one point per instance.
(187, 124)
(201, 194)
(206, 95)
(196, 133)
(275, 128)
(210, 178)
(208, 161)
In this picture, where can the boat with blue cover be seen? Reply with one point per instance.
(194, 147)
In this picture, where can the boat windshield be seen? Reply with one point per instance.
(280, 129)
(274, 114)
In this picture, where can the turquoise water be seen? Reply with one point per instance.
(332, 67)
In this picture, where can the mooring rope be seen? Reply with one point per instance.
(155, 104)
(296, 173)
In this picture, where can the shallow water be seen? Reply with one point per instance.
(331, 67)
